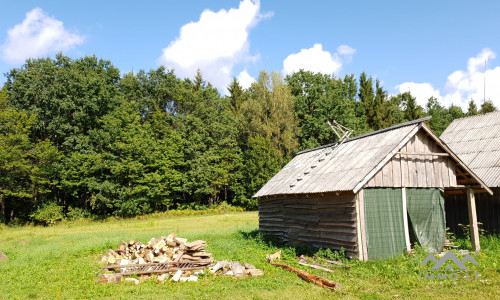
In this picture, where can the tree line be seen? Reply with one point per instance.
(80, 139)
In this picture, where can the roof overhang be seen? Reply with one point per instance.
(478, 180)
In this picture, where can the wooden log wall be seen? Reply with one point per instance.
(487, 210)
(321, 221)
(423, 170)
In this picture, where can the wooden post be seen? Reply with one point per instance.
(362, 225)
(474, 231)
(405, 220)
(358, 231)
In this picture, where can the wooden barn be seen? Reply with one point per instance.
(476, 141)
(374, 195)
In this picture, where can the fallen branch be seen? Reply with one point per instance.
(320, 281)
(315, 266)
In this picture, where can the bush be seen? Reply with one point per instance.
(48, 214)
(77, 213)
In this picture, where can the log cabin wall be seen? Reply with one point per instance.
(424, 170)
(487, 208)
(320, 220)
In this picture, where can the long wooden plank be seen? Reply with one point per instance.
(358, 231)
(405, 220)
(364, 244)
(474, 232)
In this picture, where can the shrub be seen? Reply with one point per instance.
(48, 214)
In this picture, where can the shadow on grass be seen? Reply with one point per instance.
(270, 241)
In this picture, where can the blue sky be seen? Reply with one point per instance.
(432, 48)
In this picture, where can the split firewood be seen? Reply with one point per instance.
(111, 278)
(135, 281)
(3, 256)
(177, 275)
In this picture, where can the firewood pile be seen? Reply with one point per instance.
(165, 257)
(159, 250)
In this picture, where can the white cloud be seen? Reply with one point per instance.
(345, 50)
(214, 44)
(317, 60)
(421, 91)
(245, 79)
(36, 36)
(463, 85)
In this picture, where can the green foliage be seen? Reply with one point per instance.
(27, 169)
(487, 107)
(76, 133)
(48, 214)
(472, 109)
(320, 98)
(67, 96)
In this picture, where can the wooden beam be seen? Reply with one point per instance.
(423, 154)
(474, 231)
(358, 231)
(405, 220)
(362, 224)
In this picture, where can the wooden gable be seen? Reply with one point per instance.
(421, 162)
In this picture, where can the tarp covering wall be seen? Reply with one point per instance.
(427, 217)
(384, 222)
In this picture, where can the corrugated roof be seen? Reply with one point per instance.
(476, 140)
(328, 169)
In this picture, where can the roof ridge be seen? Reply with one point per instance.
(368, 134)
(477, 116)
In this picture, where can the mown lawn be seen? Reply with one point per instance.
(61, 262)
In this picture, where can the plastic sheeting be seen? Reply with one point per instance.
(427, 217)
(384, 222)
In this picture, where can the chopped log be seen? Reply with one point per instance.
(3, 256)
(254, 272)
(320, 281)
(111, 278)
(195, 243)
(179, 256)
(177, 275)
(163, 277)
(135, 281)
(200, 254)
(248, 266)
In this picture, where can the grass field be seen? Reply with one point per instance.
(61, 262)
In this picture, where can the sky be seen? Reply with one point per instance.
(445, 49)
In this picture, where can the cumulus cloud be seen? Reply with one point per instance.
(317, 60)
(36, 36)
(214, 44)
(421, 91)
(245, 79)
(463, 85)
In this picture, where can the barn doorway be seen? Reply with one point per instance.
(392, 215)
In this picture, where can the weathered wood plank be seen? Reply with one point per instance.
(474, 231)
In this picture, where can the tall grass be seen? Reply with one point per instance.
(62, 261)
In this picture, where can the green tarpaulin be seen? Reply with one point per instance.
(384, 222)
(427, 217)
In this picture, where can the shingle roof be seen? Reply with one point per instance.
(322, 169)
(476, 140)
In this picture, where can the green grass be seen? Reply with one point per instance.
(61, 262)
